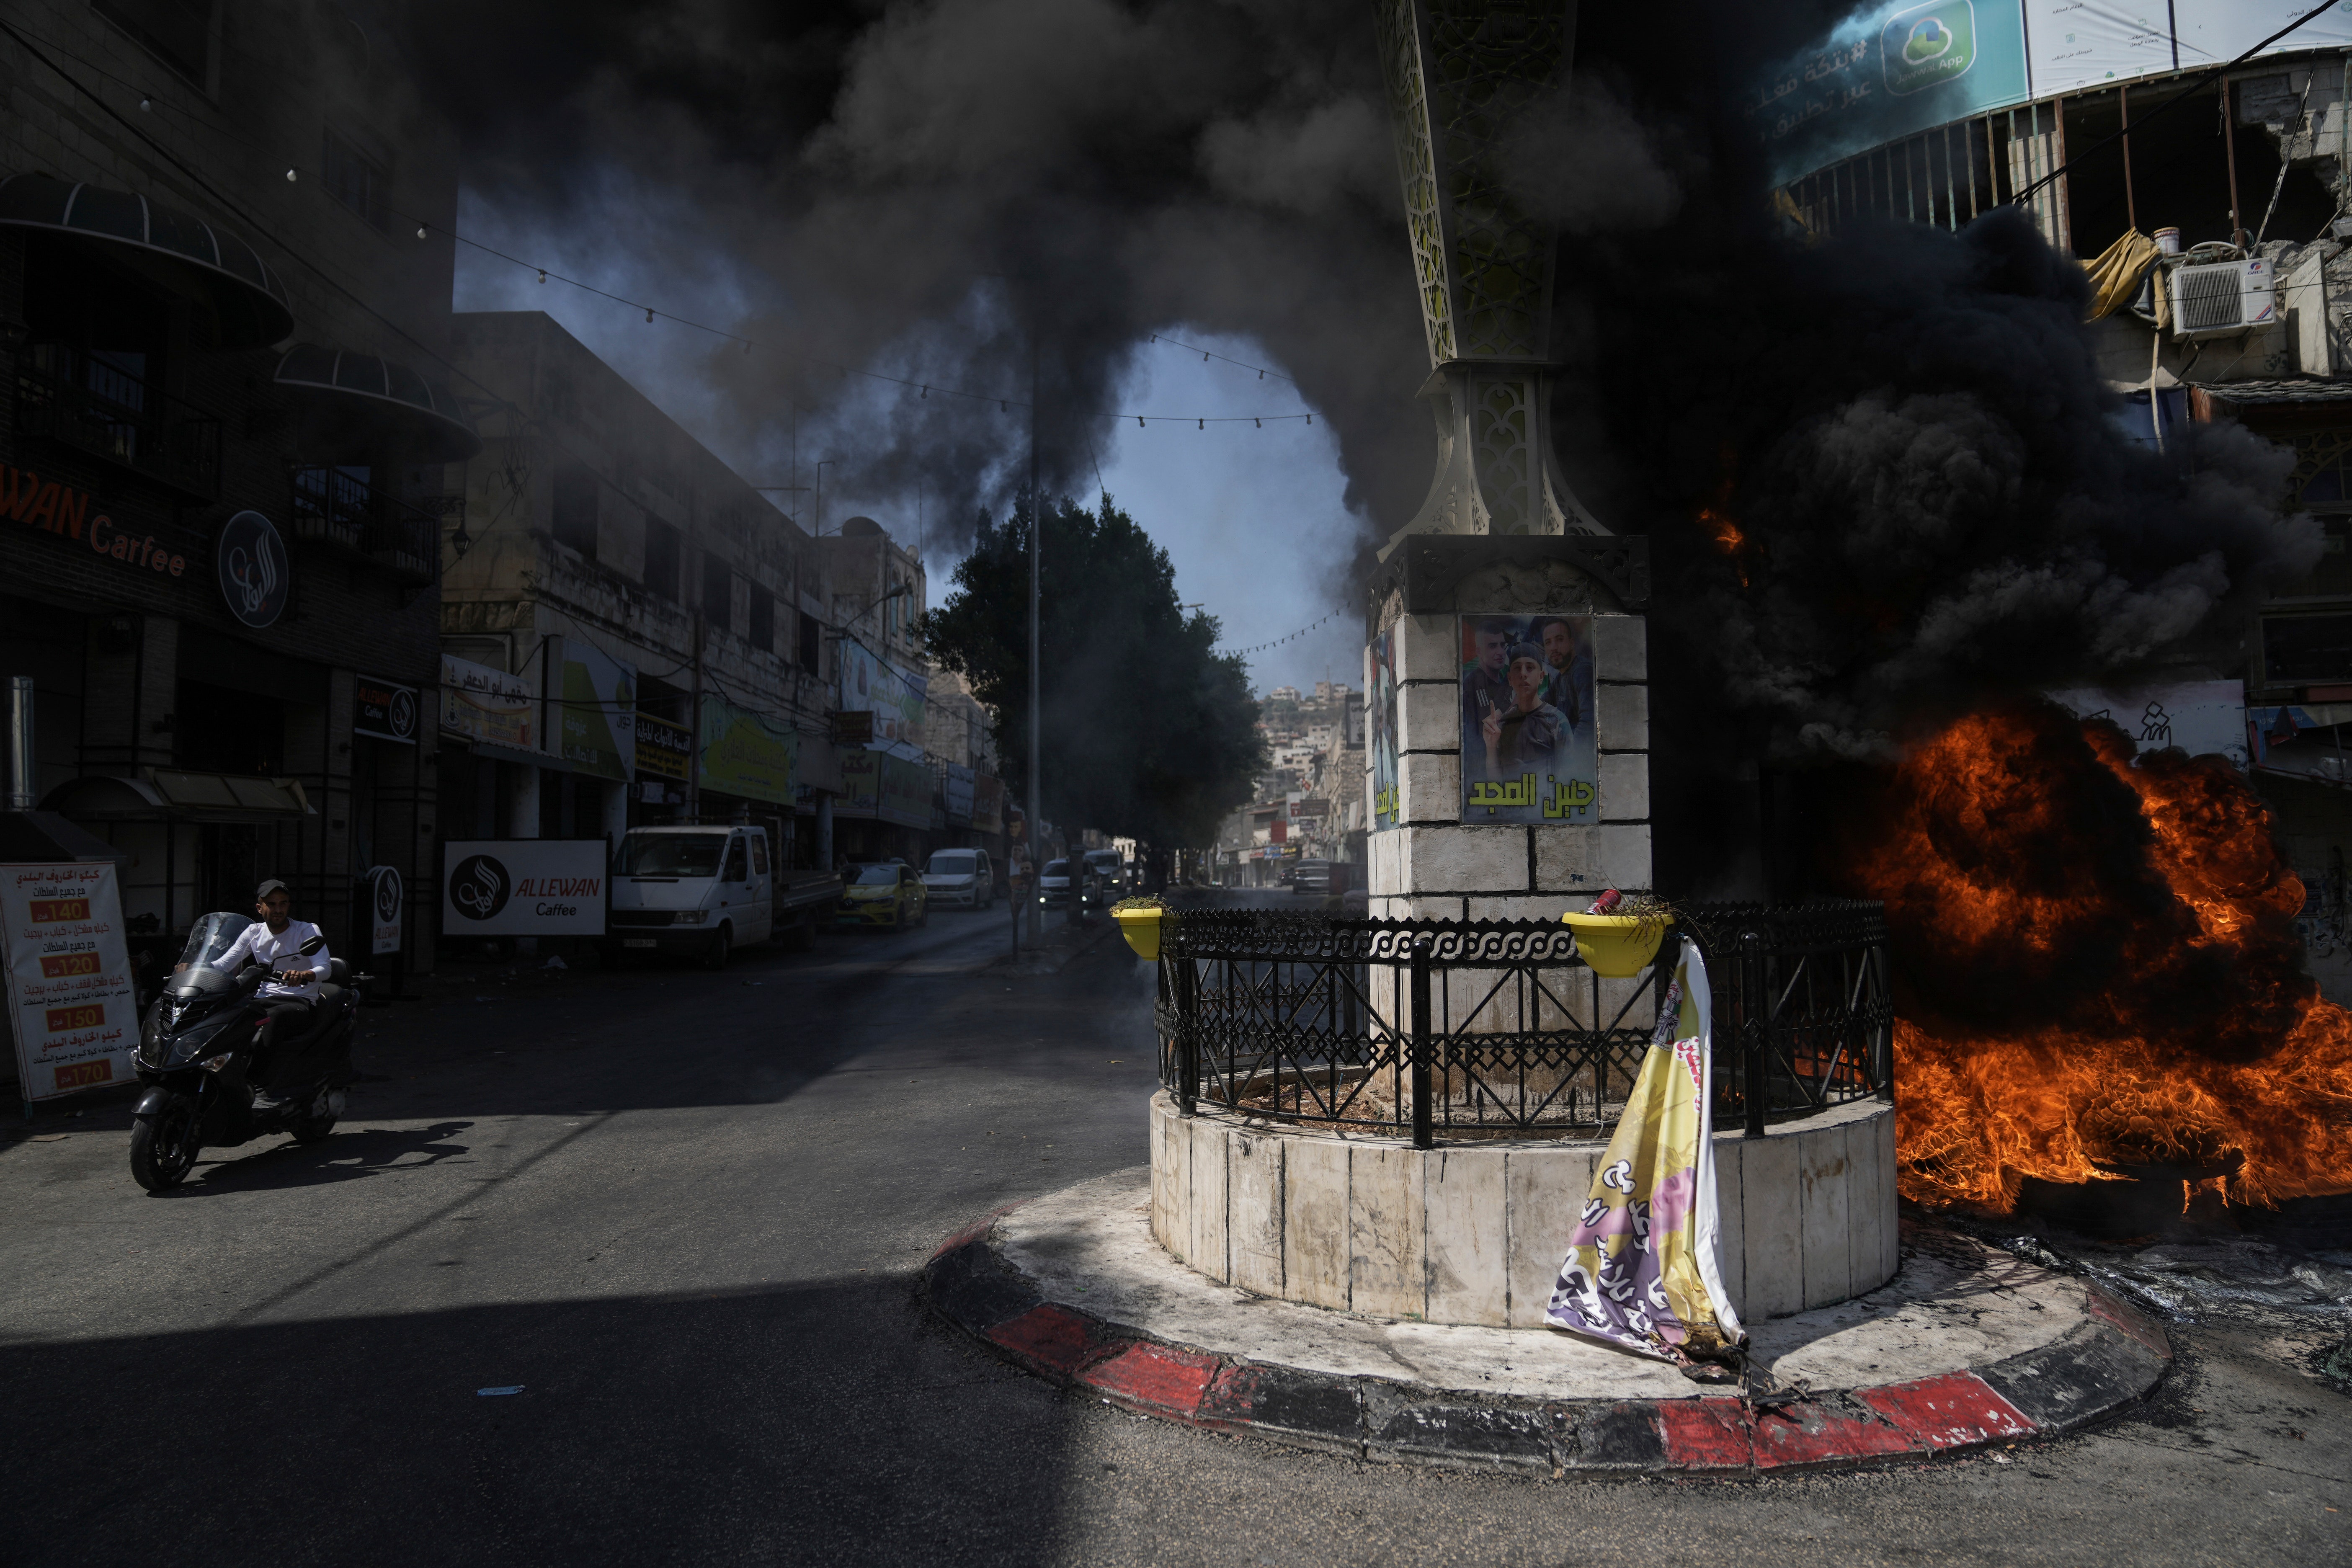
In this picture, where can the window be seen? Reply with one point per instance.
(762, 633)
(177, 32)
(661, 558)
(812, 643)
(2300, 648)
(717, 592)
(735, 862)
(759, 856)
(357, 181)
(575, 507)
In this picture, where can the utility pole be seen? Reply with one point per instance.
(1037, 717)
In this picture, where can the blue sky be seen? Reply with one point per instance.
(1253, 518)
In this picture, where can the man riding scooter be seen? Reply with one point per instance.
(289, 1000)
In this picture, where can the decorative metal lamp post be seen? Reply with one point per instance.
(1506, 668)
(1461, 77)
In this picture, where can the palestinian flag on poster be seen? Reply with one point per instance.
(1640, 1270)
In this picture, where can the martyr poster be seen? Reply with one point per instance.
(1527, 751)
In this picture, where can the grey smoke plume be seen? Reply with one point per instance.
(926, 190)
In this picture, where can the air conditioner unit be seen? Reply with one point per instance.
(2216, 299)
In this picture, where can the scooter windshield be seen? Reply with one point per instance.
(210, 937)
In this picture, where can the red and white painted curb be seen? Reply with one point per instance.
(2111, 1358)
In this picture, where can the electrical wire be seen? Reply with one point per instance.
(1262, 372)
(1277, 642)
(2021, 197)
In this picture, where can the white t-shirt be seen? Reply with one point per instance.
(281, 950)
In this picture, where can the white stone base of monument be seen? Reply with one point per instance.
(1475, 1233)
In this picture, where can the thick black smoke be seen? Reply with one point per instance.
(1906, 426)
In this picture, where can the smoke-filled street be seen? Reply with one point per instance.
(683, 1214)
(1176, 781)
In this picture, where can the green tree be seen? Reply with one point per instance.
(1149, 731)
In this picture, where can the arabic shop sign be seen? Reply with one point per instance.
(884, 787)
(485, 704)
(664, 749)
(746, 753)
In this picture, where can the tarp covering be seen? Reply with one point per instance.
(2117, 272)
(1642, 1271)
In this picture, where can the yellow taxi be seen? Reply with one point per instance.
(888, 894)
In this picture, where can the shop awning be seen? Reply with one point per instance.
(361, 406)
(246, 302)
(33, 837)
(175, 794)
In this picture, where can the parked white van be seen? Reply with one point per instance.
(961, 877)
(705, 891)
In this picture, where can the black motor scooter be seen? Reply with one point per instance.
(196, 1051)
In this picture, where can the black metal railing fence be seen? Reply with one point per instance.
(1470, 1029)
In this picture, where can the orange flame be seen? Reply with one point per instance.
(2102, 978)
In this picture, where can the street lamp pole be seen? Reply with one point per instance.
(1037, 717)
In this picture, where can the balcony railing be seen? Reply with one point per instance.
(340, 509)
(1470, 1029)
(95, 404)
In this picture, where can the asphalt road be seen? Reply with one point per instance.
(684, 1212)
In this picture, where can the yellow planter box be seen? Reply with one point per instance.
(1141, 926)
(1617, 945)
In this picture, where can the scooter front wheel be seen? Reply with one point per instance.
(163, 1146)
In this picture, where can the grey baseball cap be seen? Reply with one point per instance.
(271, 885)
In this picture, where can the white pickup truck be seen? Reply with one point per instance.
(705, 891)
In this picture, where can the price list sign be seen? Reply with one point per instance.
(71, 1003)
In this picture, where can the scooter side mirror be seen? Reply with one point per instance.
(312, 946)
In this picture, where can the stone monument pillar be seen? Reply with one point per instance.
(1506, 670)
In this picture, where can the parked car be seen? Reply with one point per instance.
(1312, 877)
(887, 894)
(1053, 884)
(705, 891)
(960, 876)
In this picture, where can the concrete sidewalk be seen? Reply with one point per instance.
(1968, 1347)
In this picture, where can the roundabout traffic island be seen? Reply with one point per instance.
(1373, 1140)
(1965, 1348)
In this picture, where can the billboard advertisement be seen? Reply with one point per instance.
(1893, 70)
(1527, 751)
(523, 886)
(485, 704)
(894, 698)
(960, 786)
(2209, 32)
(747, 753)
(1888, 71)
(598, 728)
(1381, 698)
(71, 1002)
